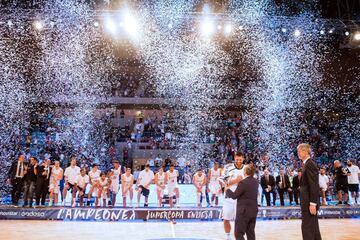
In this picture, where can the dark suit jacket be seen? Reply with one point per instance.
(296, 182)
(309, 186)
(41, 170)
(287, 181)
(13, 168)
(271, 182)
(246, 195)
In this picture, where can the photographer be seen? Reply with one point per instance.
(341, 182)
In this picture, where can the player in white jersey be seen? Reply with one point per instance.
(214, 184)
(145, 179)
(115, 181)
(172, 183)
(70, 175)
(54, 187)
(160, 182)
(353, 181)
(103, 186)
(199, 181)
(127, 182)
(94, 176)
(81, 183)
(233, 174)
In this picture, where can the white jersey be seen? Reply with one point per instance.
(128, 180)
(172, 177)
(199, 180)
(71, 173)
(103, 183)
(323, 181)
(214, 184)
(94, 176)
(116, 177)
(146, 177)
(55, 175)
(81, 181)
(232, 172)
(161, 179)
(215, 174)
(354, 177)
(55, 179)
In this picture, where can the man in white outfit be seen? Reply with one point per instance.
(233, 174)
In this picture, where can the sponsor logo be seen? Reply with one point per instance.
(8, 213)
(32, 214)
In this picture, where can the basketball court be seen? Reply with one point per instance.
(331, 229)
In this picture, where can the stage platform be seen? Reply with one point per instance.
(133, 214)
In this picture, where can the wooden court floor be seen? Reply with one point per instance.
(331, 229)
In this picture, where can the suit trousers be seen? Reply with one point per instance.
(296, 195)
(268, 199)
(310, 226)
(17, 185)
(281, 195)
(29, 187)
(245, 225)
(42, 188)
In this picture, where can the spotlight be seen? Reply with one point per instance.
(331, 31)
(284, 30)
(228, 29)
(297, 33)
(219, 27)
(207, 27)
(131, 26)
(38, 25)
(110, 25)
(356, 36)
(96, 24)
(347, 33)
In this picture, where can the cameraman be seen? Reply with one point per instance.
(341, 181)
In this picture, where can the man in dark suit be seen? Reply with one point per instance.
(246, 207)
(296, 186)
(42, 182)
(283, 186)
(267, 183)
(15, 178)
(309, 194)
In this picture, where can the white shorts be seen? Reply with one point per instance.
(215, 188)
(54, 187)
(171, 190)
(229, 209)
(127, 192)
(115, 188)
(104, 193)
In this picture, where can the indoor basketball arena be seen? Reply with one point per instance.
(179, 119)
